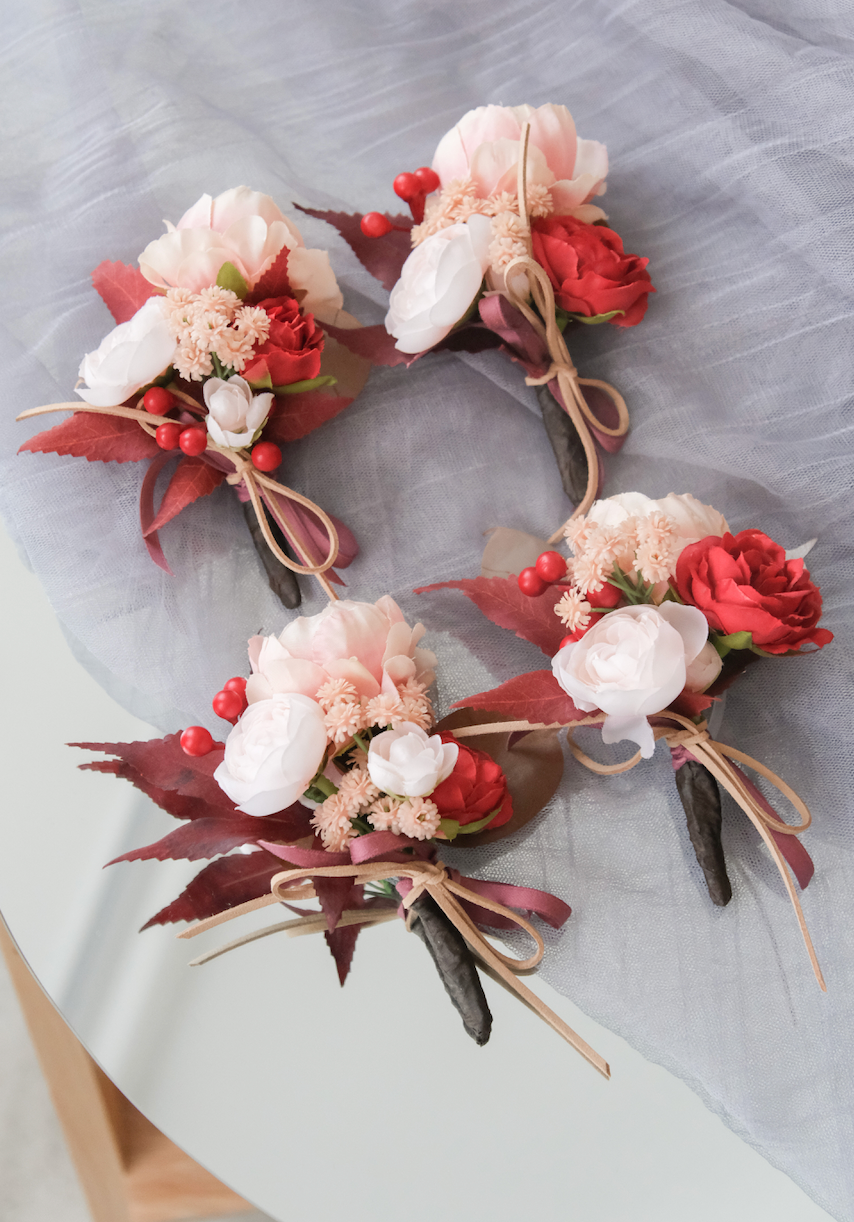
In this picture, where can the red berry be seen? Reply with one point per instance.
(428, 178)
(266, 456)
(531, 583)
(407, 187)
(567, 640)
(551, 566)
(607, 596)
(228, 705)
(193, 441)
(158, 400)
(167, 435)
(375, 225)
(196, 740)
(237, 684)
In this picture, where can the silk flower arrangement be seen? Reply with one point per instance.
(334, 783)
(219, 358)
(506, 248)
(660, 609)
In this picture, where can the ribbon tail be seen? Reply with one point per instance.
(794, 852)
(726, 774)
(493, 961)
(147, 514)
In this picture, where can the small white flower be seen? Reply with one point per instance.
(408, 762)
(235, 416)
(131, 355)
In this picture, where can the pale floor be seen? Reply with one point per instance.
(37, 1180)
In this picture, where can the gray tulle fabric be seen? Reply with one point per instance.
(729, 130)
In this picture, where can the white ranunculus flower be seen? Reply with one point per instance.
(631, 664)
(245, 228)
(691, 518)
(235, 415)
(705, 668)
(273, 753)
(131, 355)
(438, 282)
(409, 762)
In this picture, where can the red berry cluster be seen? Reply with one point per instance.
(231, 701)
(192, 439)
(550, 568)
(227, 704)
(413, 189)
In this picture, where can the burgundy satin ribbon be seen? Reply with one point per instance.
(386, 846)
(794, 852)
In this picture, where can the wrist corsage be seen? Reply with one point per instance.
(658, 611)
(335, 784)
(218, 359)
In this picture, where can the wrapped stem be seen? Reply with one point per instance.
(701, 799)
(566, 443)
(283, 582)
(455, 964)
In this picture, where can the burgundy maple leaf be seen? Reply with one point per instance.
(501, 600)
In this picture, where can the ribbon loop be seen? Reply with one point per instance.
(544, 321)
(422, 874)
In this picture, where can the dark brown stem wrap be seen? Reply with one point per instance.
(567, 445)
(701, 799)
(283, 582)
(455, 964)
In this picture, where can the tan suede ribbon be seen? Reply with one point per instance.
(544, 322)
(433, 878)
(244, 472)
(714, 756)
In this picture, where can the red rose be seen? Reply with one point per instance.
(475, 787)
(291, 352)
(744, 583)
(589, 270)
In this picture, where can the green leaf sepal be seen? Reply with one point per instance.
(293, 388)
(452, 828)
(737, 640)
(593, 320)
(228, 277)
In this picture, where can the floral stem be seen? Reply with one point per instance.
(325, 786)
(360, 742)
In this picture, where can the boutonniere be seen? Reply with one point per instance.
(507, 247)
(335, 784)
(658, 610)
(221, 356)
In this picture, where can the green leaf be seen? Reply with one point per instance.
(738, 640)
(296, 388)
(228, 277)
(452, 828)
(593, 320)
(734, 640)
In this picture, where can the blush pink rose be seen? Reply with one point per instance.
(486, 145)
(247, 229)
(367, 644)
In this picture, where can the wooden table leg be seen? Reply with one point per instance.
(128, 1170)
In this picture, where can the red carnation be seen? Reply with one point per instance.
(590, 272)
(291, 352)
(475, 787)
(744, 583)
